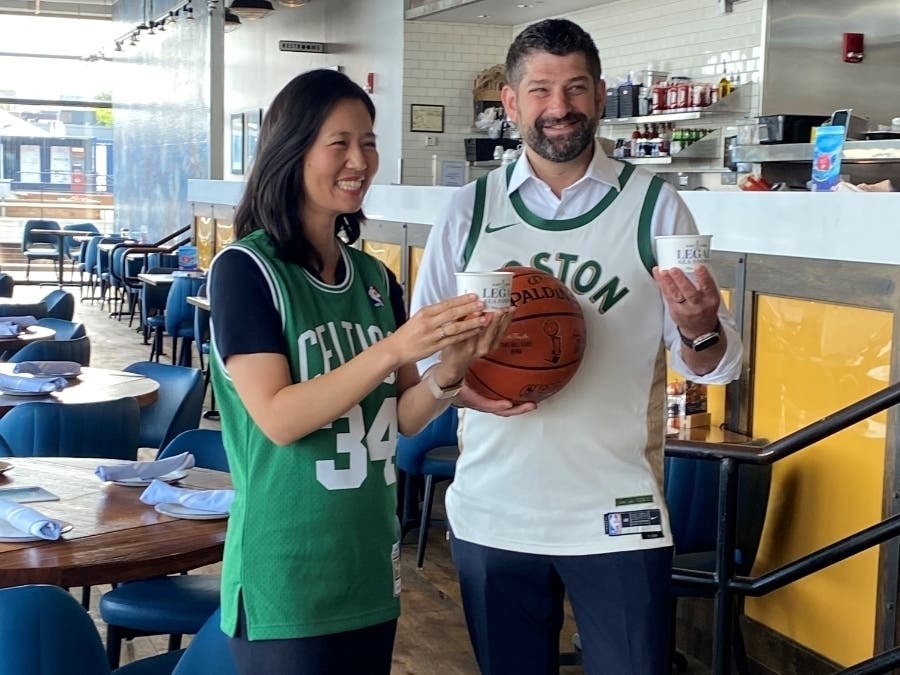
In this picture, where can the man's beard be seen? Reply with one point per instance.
(561, 148)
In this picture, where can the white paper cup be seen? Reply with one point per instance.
(493, 288)
(683, 251)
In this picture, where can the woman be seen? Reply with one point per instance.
(314, 374)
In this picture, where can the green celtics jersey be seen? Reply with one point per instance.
(313, 537)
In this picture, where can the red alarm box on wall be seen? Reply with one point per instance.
(853, 47)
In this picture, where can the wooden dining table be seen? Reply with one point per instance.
(93, 385)
(115, 537)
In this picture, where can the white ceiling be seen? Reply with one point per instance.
(497, 12)
(71, 9)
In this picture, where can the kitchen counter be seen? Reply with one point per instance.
(863, 227)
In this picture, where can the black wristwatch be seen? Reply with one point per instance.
(704, 341)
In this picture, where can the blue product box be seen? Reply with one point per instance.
(826, 165)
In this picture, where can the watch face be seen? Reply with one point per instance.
(705, 341)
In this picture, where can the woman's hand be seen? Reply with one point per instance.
(459, 357)
(439, 326)
(455, 358)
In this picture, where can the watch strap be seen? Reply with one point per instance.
(692, 343)
(439, 392)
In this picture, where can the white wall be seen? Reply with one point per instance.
(441, 61)
(362, 35)
(683, 37)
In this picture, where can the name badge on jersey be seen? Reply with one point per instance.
(644, 522)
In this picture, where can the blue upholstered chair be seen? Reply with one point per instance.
(7, 284)
(692, 492)
(65, 330)
(88, 265)
(40, 429)
(432, 454)
(178, 405)
(176, 604)
(77, 349)
(39, 246)
(202, 337)
(60, 304)
(102, 269)
(180, 317)
(74, 248)
(44, 631)
(153, 313)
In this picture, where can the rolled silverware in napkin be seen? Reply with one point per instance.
(29, 521)
(32, 385)
(48, 368)
(214, 501)
(145, 470)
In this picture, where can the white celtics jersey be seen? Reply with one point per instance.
(582, 474)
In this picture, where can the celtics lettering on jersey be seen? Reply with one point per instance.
(332, 344)
(321, 350)
(583, 276)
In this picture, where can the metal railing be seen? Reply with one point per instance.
(727, 585)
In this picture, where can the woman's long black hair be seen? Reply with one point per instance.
(273, 197)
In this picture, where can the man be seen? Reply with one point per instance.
(546, 498)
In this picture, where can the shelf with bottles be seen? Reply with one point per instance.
(737, 102)
(664, 143)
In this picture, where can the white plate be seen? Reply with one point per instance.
(9, 534)
(10, 392)
(179, 511)
(5, 466)
(170, 477)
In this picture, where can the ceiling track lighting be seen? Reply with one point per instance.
(133, 36)
(252, 9)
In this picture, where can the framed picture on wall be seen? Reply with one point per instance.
(426, 117)
(252, 120)
(237, 143)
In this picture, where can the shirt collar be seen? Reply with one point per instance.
(601, 169)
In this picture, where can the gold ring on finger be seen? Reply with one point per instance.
(443, 331)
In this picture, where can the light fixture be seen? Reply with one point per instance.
(118, 46)
(252, 9)
(232, 21)
(293, 3)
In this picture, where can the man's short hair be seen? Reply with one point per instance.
(554, 36)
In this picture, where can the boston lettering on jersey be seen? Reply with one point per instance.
(584, 277)
(329, 345)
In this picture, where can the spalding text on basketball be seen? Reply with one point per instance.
(584, 277)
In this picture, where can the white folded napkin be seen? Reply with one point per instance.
(32, 385)
(20, 321)
(48, 367)
(214, 501)
(8, 329)
(145, 470)
(29, 521)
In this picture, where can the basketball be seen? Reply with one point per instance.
(543, 345)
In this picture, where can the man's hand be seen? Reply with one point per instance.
(471, 399)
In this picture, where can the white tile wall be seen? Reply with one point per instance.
(441, 61)
(683, 37)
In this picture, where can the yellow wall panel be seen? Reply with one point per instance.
(389, 254)
(415, 261)
(813, 358)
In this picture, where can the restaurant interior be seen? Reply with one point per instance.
(118, 185)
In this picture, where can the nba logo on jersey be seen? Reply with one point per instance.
(375, 297)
